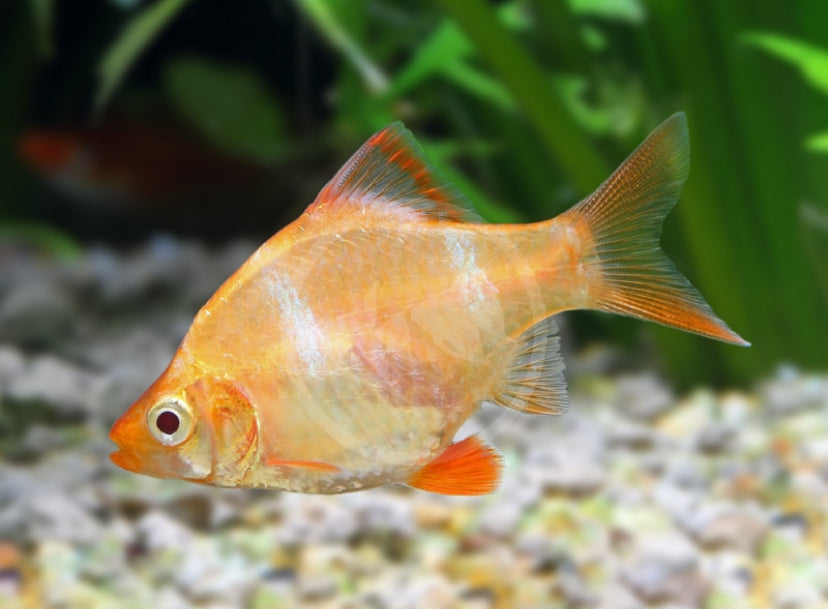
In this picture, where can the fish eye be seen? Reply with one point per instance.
(170, 421)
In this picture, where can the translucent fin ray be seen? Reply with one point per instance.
(623, 217)
(534, 380)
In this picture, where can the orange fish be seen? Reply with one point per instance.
(349, 349)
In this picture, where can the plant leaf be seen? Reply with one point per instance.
(323, 14)
(133, 40)
(811, 60)
(43, 13)
(817, 142)
(228, 105)
(446, 47)
(628, 11)
(526, 82)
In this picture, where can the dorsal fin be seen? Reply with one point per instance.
(534, 380)
(390, 172)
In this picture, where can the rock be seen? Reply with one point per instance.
(36, 312)
(430, 513)
(194, 508)
(383, 513)
(665, 569)
(209, 573)
(675, 501)
(685, 469)
(315, 519)
(643, 397)
(572, 464)
(631, 434)
(429, 590)
(321, 567)
(810, 484)
(12, 364)
(170, 598)
(11, 571)
(158, 531)
(39, 439)
(792, 392)
(573, 588)
(730, 525)
(616, 596)
(48, 514)
(715, 437)
(68, 391)
(501, 519)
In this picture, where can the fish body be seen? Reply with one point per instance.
(349, 349)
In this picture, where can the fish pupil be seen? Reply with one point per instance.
(167, 422)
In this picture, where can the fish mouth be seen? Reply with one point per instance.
(125, 460)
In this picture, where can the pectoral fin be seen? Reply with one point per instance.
(468, 467)
(319, 466)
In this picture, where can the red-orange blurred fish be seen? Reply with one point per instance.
(349, 349)
(143, 165)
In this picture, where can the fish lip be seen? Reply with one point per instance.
(124, 460)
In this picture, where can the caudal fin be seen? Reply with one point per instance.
(630, 275)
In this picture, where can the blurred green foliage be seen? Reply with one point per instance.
(229, 105)
(528, 104)
(138, 34)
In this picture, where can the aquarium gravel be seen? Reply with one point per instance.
(638, 497)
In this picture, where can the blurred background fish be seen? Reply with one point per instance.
(158, 174)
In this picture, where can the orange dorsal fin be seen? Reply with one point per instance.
(392, 173)
(621, 224)
(468, 467)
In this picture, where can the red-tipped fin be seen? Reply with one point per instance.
(390, 172)
(468, 467)
(621, 224)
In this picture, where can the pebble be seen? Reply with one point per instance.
(572, 464)
(158, 531)
(48, 514)
(643, 397)
(315, 519)
(730, 525)
(12, 364)
(666, 569)
(35, 313)
(715, 437)
(11, 564)
(68, 391)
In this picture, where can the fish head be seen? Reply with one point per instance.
(205, 432)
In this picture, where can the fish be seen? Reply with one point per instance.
(152, 170)
(133, 164)
(349, 349)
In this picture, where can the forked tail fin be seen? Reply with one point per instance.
(629, 274)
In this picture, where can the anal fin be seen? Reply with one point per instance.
(534, 381)
(468, 467)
